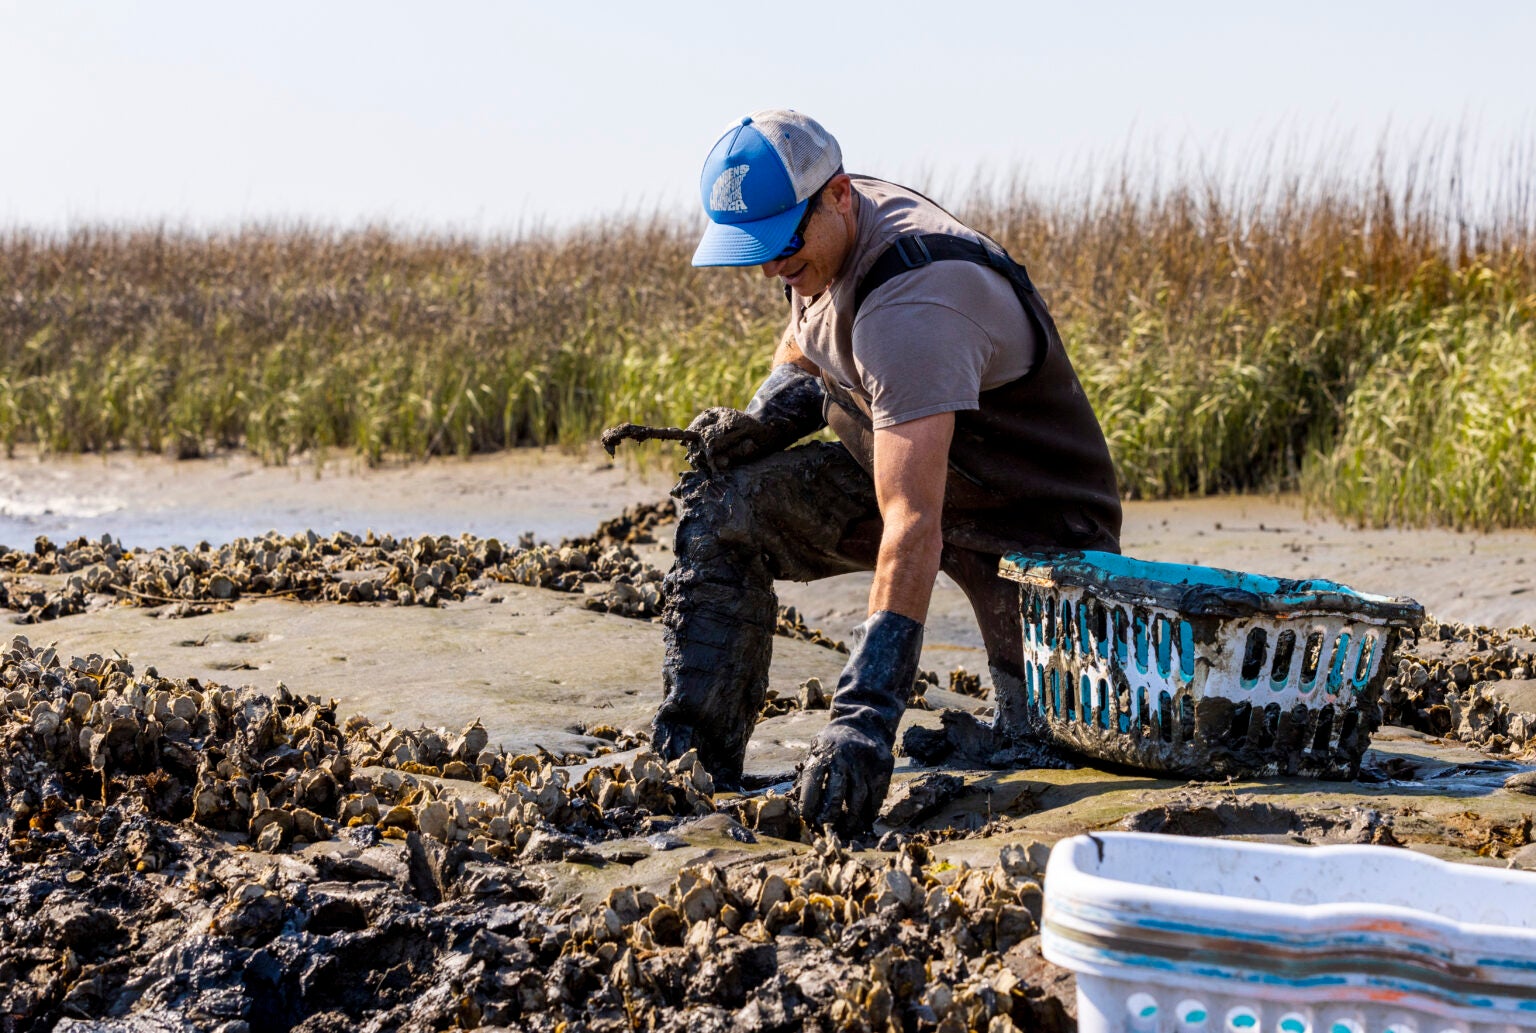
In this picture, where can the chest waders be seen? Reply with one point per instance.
(1029, 469)
(1029, 466)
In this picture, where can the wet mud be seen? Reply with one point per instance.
(184, 855)
(50, 581)
(189, 856)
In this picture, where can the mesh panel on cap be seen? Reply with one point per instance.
(809, 151)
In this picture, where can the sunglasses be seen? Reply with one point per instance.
(797, 241)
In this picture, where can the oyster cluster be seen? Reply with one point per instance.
(812, 695)
(1447, 683)
(636, 525)
(199, 857)
(964, 683)
(348, 568)
(275, 770)
(789, 624)
(342, 567)
(832, 941)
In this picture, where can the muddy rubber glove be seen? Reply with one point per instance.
(848, 771)
(786, 408)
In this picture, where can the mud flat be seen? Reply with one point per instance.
(533, 666)
(182, 852)
(1487, 579)
(182, 855)
(147, 501)
(151, 501)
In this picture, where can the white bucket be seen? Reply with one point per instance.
(1169, 934)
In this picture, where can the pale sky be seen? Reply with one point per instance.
(488, 117)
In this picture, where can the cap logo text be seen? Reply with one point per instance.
(725, 195)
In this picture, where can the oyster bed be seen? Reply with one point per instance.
(188, 856)
(346, 568)
(180, 854)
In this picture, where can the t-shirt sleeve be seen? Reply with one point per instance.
(916, 354)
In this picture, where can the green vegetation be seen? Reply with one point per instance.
(283, 340)
(1441, 429)
(1370, 344)
(1255, 337)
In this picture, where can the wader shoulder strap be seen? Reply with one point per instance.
(920, 249)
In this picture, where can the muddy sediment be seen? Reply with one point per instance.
(183, 855)
(50, 581)
(190, 856)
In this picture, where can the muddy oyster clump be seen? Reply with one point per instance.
(790, 625)
(812, 695)
(190, 856)
(832, 941)
(1468, 683)
(345, 568)
(636, 525)
(275, 770)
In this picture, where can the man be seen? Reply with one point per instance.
(963, 434)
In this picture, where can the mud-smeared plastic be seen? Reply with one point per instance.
(1200, 671)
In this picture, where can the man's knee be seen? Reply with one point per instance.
(726, 510)
(789, 511)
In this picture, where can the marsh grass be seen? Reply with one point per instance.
(1441, 429)
(1363, 337)
(1367, 338)
(282, 340)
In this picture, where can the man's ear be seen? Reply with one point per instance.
(840, 192)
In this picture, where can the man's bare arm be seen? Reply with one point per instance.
(911, 464)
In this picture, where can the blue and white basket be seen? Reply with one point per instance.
(1200, 671)
(1169, 934)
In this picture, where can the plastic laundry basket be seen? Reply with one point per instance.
(1200, 671)
(1168, 933)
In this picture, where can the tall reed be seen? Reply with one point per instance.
(285, 339)
(1241, 331)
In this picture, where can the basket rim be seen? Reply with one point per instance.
(1200, 591)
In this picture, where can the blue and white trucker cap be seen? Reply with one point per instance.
(756, 183)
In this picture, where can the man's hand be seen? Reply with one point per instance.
(845, 777)
(786, 408)
(848, 771)
(726, 438)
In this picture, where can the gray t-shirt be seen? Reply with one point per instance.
(927, 341)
